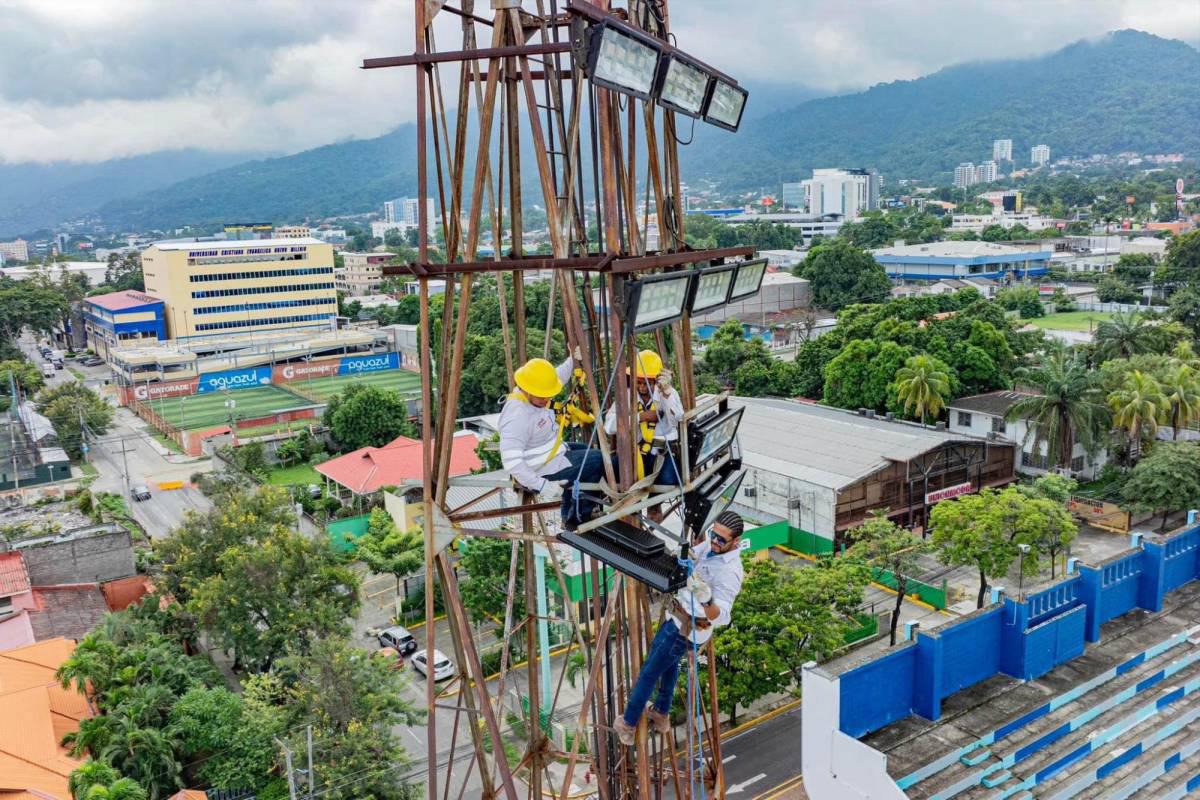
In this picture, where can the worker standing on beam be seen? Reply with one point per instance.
(659, 411)
(531, 439)
(705, 603)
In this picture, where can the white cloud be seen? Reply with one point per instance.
(84, 80)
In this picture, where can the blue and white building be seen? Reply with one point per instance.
(120, 317)
(942, 260)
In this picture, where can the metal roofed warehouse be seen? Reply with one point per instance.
(823, 469)
(938, 260)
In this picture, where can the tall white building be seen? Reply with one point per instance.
(16, 250)
(985, 172)
(846, 192)
(1040, 155)
(405, 211)
(964, 174)
(1002, 150)
(389, 210)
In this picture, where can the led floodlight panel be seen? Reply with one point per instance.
(726, 103)
(716, 436)
(658, 300)
(682, 86)
(748, 280)
(711, 289)
(623, 61)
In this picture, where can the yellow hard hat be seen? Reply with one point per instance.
(649, 364)
(537, 377)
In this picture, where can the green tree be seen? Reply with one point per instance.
(356, 704)
(1123, 336)
(124, 273)
(1134, 269)
(88, 774)
(923, 385)
(1181, 265)
(1112, 289)
(1067, 409)
(1166, 480)
(284, 591)
(144, 755)
(783, 618)
(77, 414)
(984, 531)
(873, 229)
(1184, 308)
(33, 304)
(1050, 528)
(387, 550)
(1181, 388)
(1137, 407)
(484, 590)
(1022, 299)
(841, 274)
(368, 416)
(289, 452)
(861, 376)
(231, 736)
(120, 789)
(25, 373)
(882, 544)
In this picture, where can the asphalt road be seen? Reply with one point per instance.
(763, 756)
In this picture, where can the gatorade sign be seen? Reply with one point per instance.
(303, 371)
(355, 365)
(231, 379)
(158, 391)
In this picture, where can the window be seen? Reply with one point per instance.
(998, 425)
(5, 606)
(261, 321)
(964, 419)
(1034, 460)
(1077, 464)
(230, 309)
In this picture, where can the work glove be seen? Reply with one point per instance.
(664, 381)
(577, 354)
(700, 589)
(551, 490)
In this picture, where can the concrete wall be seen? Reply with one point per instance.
(772, 492)
(1022, 639)
(93, 559)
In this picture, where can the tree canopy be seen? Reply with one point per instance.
(841, 274)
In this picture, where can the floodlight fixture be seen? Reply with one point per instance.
(725, 103)
(657, 300)
(707, 502)
(682, 85)
(711, 437)
(710, 290)
(623, 59)
(748, 279)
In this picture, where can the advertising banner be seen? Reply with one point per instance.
(146, 392)
(355, 365)
(947, 493)
(301, 370)
(234, 379)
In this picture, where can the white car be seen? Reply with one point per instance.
(443, 667)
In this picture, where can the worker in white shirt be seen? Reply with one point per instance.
(659, 411)
(705, 603)
(531, 439)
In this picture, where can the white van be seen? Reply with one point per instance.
(47, 369)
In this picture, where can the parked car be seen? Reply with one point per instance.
(47, 369)
(443, 667)
(399, 638)
(92, 361)
(141, 492)
(392, 655)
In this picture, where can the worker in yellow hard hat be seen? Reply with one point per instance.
(531, 438)
(659, 411)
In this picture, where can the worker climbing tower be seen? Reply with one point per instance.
(596, 97)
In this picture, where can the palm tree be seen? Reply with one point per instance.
(92, 666)
(120, 789)
(1067, 409)
(93, 736)
(1182, 390)
(88, 774)
(1122, 336)
(1137, 406)
(575, 667)
(147, 755)
(922, 387)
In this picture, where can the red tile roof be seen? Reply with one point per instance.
(120, 301)
(14, 578)
(370, 468)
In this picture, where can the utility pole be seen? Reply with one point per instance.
(311, 781)
(291, 776)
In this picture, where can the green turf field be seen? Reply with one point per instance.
(403, 380)
(208, 410)
(1071, 320)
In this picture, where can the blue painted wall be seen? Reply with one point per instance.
(1022, 639)
(879, 692)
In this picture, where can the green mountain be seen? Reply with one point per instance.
(343, 178)
(1127, 91)
(36, 196)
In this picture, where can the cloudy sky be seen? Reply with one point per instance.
(88, 80)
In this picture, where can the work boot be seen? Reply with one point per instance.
(659, 721)
(624, 731)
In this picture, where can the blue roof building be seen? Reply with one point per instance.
(941, 260)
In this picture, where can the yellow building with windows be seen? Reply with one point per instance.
(222, 288)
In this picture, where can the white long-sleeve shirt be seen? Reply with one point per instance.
(723, 573)
(670, 412)
(530, 446)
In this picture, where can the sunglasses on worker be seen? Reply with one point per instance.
(718, 539)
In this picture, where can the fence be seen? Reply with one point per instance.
(146, 412)
(1116, 308)
(1023, 639)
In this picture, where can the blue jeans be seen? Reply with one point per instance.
(592, 461)
(660, 669)
(668, 475)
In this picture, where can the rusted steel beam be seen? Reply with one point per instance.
(492, 513)
(509, 51)
(499, 265)
(621, 266)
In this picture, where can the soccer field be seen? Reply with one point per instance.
(404, 381)
(208, 410)
(1072, 320)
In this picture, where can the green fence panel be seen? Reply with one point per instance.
(809, 543)
(767, 536)
(343, 532)
(933, 595)
(869, 627)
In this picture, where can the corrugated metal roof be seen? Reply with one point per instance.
(827, 446)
